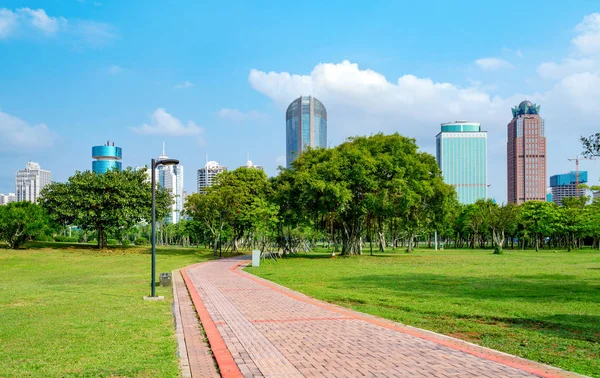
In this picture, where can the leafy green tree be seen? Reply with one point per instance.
(591, 145)
(106, 203)
(21, 221)
(502, 219)
(539, 218)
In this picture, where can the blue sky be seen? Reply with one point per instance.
(214, 77)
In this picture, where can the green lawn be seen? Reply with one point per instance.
(543, 306)
(73, 312)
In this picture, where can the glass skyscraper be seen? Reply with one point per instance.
(107, 157)
(461, 152)
(305, 126)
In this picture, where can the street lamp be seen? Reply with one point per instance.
(154, 165)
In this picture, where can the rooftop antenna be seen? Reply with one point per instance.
(163, 147)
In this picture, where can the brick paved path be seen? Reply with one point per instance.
(271, 331)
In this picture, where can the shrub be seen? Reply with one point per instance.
(125, 242)
(112, 241)
(44, 238)
(140, 241)
(65, 239)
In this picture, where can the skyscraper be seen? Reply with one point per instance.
(208, 173)
(526, 154)
(171, 177)
(107, 158)
(305, 126)
(30, 182)
(565, 185)
(461, 152)
(5, 199)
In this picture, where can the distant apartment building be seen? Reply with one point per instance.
(30, 182)
(526, 155)
(207, 174)
(305, 126)
(249, 164)
(565, 185)
(171, 177)
(5, 199)
(107, 158)
(461, 152)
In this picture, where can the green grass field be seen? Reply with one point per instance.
(543, 306)
(73, 312)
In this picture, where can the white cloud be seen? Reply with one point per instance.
(40, 20)
(24, 22)
(185, 84)
(588, 41)
(114, 69)
(164, 123)
(493, 64)
(8, 22)
(18, 134)
(239, 116)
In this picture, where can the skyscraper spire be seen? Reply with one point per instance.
(163, 147)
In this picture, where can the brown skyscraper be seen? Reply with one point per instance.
(526, 155)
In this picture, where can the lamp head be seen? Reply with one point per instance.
(167, 162)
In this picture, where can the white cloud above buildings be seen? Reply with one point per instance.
(163, 123)
(17, 134)
(493, 64)
(27, 22)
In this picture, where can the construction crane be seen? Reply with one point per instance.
(577, 158)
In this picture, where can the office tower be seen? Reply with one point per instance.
(208, 173)
(30, 182)
(565, 185)
(305, 126)
(5, 199)
(526, 155)
(171, 177)
(148, 172)
(461, 152)
(107, 158)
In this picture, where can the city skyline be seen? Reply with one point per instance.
(88, 84)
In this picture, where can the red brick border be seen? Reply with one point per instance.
(227, 366)
(532, 367)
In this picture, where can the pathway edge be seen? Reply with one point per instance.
(227, 366)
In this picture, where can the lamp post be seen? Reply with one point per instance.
(154, 165)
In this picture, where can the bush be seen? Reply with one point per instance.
(44, 238)
(140, 241)
(65, 239)
(125, 242)
(112, 241)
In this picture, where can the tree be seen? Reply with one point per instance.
(106, 203)
(21, 221)
(501, 219)
(591, 145)
(539, 218)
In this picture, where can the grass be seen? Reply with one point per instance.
(73, 311)
(544, 306)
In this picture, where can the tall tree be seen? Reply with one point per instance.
(106, 203)
(501, 219)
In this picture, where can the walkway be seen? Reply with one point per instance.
(259, 329)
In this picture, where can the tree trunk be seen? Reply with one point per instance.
(411, 238)
(102, 242)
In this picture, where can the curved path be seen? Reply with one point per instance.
(259, 329)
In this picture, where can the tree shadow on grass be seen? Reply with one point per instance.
(533, 289)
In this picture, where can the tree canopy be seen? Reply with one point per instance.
(107, 203)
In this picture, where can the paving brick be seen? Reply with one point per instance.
(274, 332)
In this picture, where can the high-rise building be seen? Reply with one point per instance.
(251, 165)
(171, 177)
(208, 173)
(526, 155)
(30, 182)
(565, 185)
(5, 199)
(461, 152)
(305, 126)
(107, 158)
